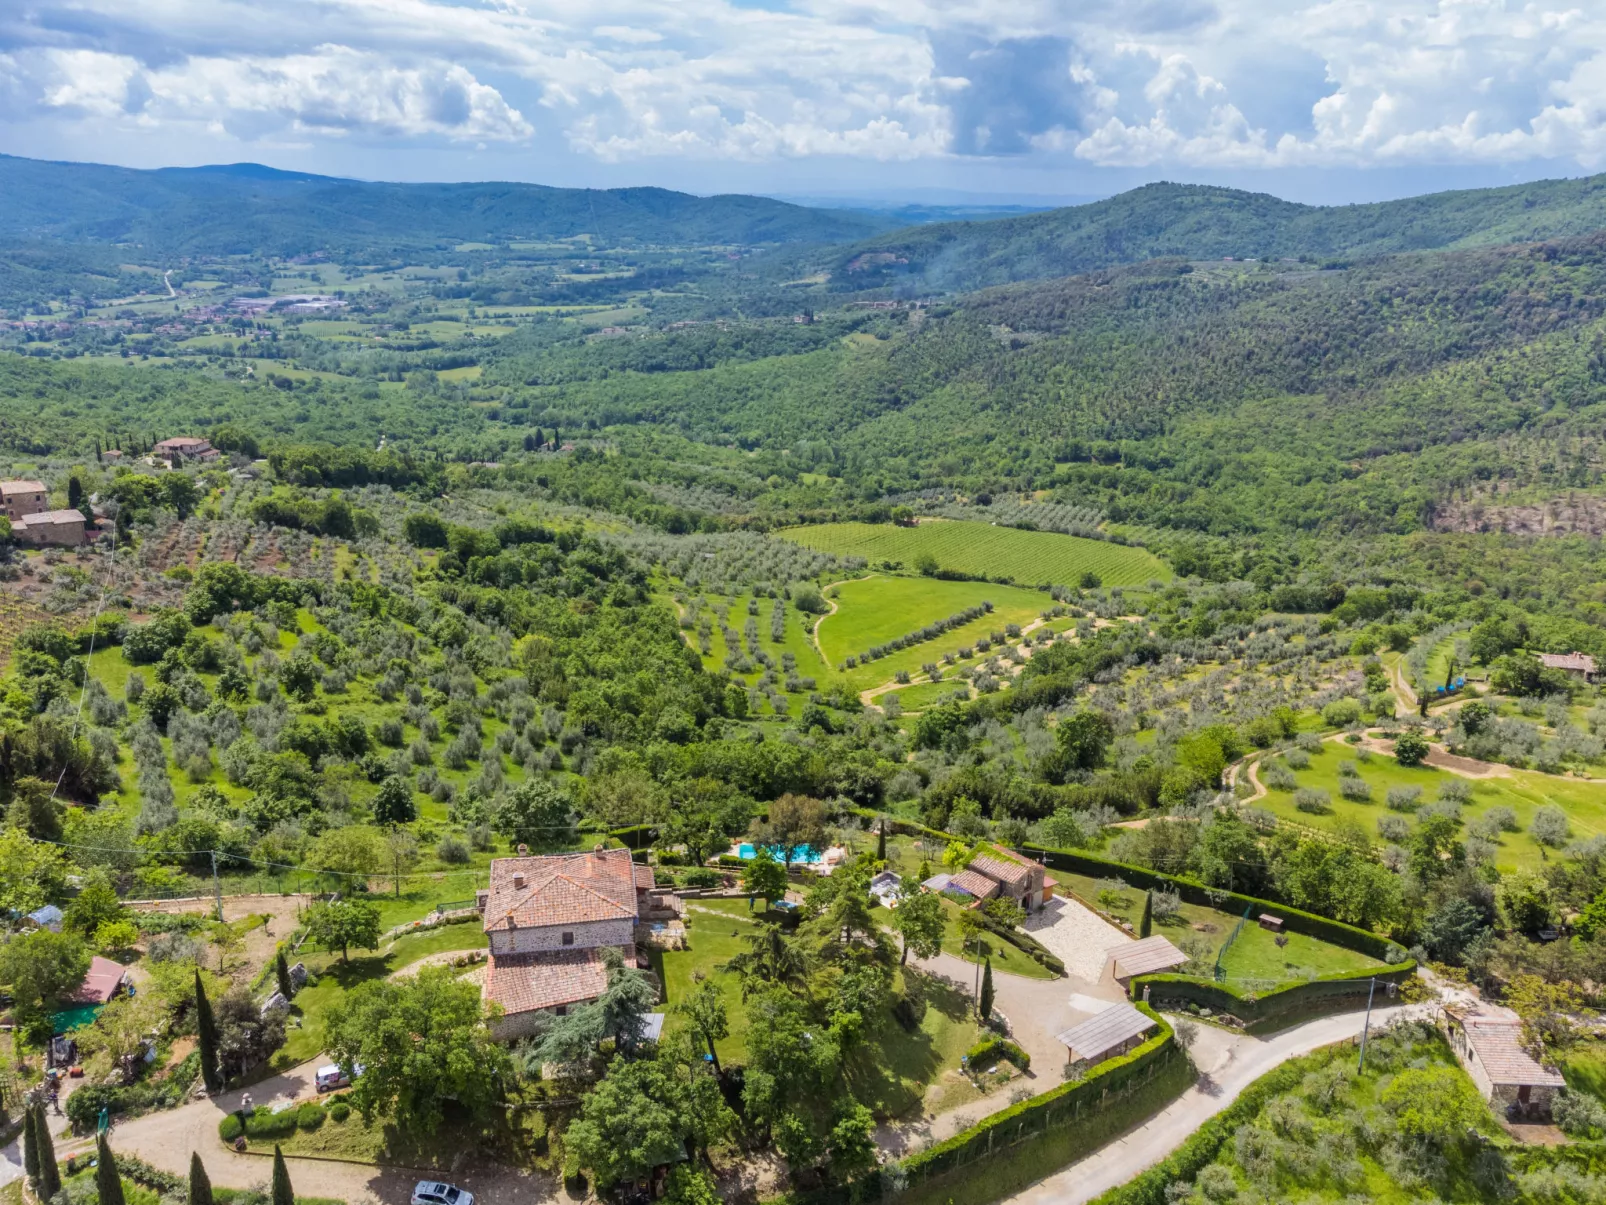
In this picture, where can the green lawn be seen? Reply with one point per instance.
(1032, 557)
(893, 1079)
(874, 610)
(1254, 958)
(1585, 1069)
(1005, 957)
(924, 694)
(1524, 791)
(336, 978)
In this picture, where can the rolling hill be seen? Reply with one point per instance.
(1199, 222)
(247, 208)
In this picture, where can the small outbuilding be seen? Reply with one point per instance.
(1272, 924)
(970, 883)
(1490, 1047)
(938, 882)
(48, 917)
(1116, 1030)
(887, 887)
(105, 981)
(1150, 956)
(64, 527)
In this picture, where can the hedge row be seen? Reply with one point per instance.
(1058, 1107)
(1171, 990)
(1200, 1150)
(990, 1050)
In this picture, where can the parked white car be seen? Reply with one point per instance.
(331, 1078)
(433, 1192)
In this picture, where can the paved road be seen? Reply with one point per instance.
(1236, 1065)
(165, 1140)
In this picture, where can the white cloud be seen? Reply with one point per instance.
(1138, 83)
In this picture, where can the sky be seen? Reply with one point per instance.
(1011, 99)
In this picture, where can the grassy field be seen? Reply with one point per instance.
(1585, 1069)
(923, 695)
(875, 610)
(901, 1066)
(1032, 557)
(1524, 791)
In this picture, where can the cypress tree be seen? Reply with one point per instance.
(30, 1146)
(200, 1186)
(881, 843)
(206, 1038)
(281, 971)
(1146, 925)
(283, 1194)
(987, 989)
(49, 1173)
(108, 1184)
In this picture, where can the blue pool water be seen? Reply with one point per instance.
(804, 854)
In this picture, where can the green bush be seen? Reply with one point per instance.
(264, 1123)
(340, 1110)
(990, 1050)
(311, 1115)
(230, 1127)
(700, 876)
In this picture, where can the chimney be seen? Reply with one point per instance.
(599, 847)
(518, 881)
(524, 851)
(512, 921)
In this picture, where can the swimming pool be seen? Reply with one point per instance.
(805, 854)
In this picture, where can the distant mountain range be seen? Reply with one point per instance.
(1203, 222)
(246, 208)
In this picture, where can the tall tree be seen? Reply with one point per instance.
(108, 1184)
(919, 921)
(200, 1184)
(283, 1194)
(49, 1173)
(343, 924)
(881, 842)
(764, 877)
(985, 1005)
(281, 973)
(704, 1010)
(1146, 924)
(206, 1038)
(795, 822)
(769, 958)
(30, 1145)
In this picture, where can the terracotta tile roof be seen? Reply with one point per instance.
(521, 983)
(563, 889)
(971, 883)
(1145, 957)
(1498, 1045)
(49, 518)
(1012, 873)
(101, 983)
(7, 488)
(1577, 661)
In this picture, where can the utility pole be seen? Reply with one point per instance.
(217, 886)
(1367, 1026)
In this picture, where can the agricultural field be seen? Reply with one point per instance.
(1523, 791)
(1028, 557)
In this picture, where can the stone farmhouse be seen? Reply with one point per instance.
(548, 920)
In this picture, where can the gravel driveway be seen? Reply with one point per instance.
(1076, 935)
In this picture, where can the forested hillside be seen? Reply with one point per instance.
(1206, 222)
(246, 209)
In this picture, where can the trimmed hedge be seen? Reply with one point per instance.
(340, 1110)
(1023, 942)
(264, 1123)
(230, 1127)
(1171, 990)
(993, 1136)
(990, 1050)
(1201, 1148)
(311, 1115)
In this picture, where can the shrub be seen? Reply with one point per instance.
(1355, 789)
(265, 1123)
(1410, 748)
(1313, 800)
(1404, 799)
(311, 1115)
(1297, 759)
(340, 1110)
(1550, 826)
(1309, 742)
(1579, 1114)
(1502, 818)
(1278, 777)
(701, 876)
(453, 850)
(990, 1050)
(1393, 828)
(230, 1128)
(1341, 713)
(1456, 790)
